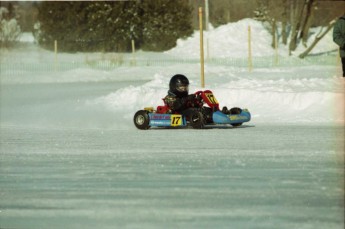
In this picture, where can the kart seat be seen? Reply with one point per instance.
(162, 109)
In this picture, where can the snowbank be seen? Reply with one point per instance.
(231, 40)
(284, 101)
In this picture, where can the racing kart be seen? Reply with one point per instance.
(196, 118)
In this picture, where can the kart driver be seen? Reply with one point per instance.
(179, 101)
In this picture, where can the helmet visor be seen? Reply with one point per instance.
(182, 88)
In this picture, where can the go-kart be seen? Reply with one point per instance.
(196, 118)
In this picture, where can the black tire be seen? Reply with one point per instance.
(141, 120)
(196, 119)
(235, 111)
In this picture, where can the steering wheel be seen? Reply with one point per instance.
(198, 98)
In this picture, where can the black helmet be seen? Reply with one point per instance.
(179, 85)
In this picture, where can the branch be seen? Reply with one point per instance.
(317, 39)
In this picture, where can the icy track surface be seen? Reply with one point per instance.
(250, 177)
(72, 158)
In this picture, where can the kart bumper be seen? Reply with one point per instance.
(221, 118)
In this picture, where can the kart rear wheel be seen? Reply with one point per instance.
(142, 120)
(196, 120)
(235, 111)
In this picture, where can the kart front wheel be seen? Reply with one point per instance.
(196, 120)
(142, 120)
(235, 110)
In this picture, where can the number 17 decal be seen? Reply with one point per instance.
(176, 120)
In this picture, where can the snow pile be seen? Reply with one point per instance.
(231, 40)
(291, 101)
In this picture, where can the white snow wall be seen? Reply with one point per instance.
(283, 101)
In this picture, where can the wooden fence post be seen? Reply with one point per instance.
(134, 62)
(276, 56)
(55, 55)
(250, 63)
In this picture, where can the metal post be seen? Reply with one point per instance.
(206, 28)
(201, 49)
(206, 14)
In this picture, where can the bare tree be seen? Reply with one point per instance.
(297, 17)
(318, 38)
(274, 33)
(307, 18)
(284, 21)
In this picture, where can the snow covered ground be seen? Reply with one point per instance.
(72, 158)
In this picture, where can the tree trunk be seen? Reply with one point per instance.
(296, 23)
(284, 33)
(310, 4)
(317, 39)
(284, 22)
(274, 34)
(292, 11)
